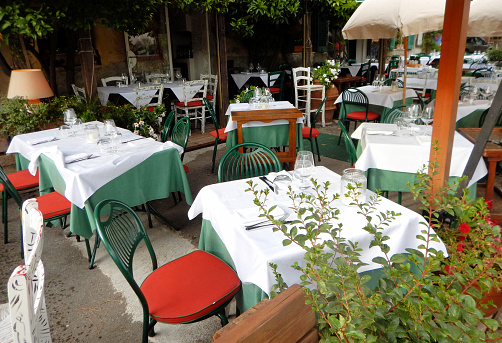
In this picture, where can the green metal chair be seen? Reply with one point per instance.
(355, 107)
(311, 133)
(276, 83)
(219, 135)
(180, 133)
(420, 100)
(247, 160)
(349, 144)
(394, 113)
(483, 117)
(186, 290)
(52, 205)
(168, 127)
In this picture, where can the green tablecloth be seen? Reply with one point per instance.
(270, 136)
(472, 120)
(154, 178)
(374, 108)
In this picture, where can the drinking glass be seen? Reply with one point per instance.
(427, 117)
(304, 168)
(178, 75)
(116, 141)
(110, 128)
(69, 116)
(124, 79)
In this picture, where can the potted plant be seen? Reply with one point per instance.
(326, 74)
(495, 55)
(418, 298)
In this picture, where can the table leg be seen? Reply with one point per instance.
(490, 183)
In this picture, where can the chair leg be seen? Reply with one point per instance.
(93, 256)
(223, 317)
(148, 214)
(5, 221)
(151, 328)
(399, 197)
(214, 153)
(317, 147)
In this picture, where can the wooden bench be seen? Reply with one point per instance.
(285, 318)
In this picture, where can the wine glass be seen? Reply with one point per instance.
(124, 79)
(168, 76)
(69, 116)
(304, 168)
(427, 117)
(110, 127)
(178, 75)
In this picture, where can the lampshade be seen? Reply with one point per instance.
(29, 84)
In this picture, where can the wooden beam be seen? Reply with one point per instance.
(221, 42)
(448, 89)
(86, 52)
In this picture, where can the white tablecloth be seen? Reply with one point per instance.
(417, 83)
(83, 178)
(232, 125)
(129, 92)
(466, 108)
(385, 98)
(252, 251)
(409, 154)
(242, 78)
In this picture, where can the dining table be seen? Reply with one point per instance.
(382, 100)
(227, 207)
(469, 112)
(271, 134)
(391, 158)
(135, 171)
(129, 92)
(241, 78)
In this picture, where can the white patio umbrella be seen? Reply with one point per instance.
(485, 18)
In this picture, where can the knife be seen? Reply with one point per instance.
(267, 182)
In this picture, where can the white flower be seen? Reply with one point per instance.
(141, 122)
(136, 125)
(136, 132)
(151, 130)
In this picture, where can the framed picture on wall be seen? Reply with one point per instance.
(144, 46)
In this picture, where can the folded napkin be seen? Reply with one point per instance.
(34, 156)
(39, 140)
(76, 157)
(170, 145)
(250, 216)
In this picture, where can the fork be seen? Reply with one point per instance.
(265, 223)
(47, 141)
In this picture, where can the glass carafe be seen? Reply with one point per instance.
(357, 180)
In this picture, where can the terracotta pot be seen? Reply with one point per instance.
(329, 106)
(496, 297)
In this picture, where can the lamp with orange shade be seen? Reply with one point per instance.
(29, 84)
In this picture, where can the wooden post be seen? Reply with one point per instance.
(448, 89)
(221, 42)
(86, 52)
(307, 43)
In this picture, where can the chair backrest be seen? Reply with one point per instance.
(483, 117)
(276, 80)
(180, 133)
(213, 116)
(28, 312)
(349, 144)
(247, 160)
(168, 126)
(121, 231)
(420, 99)
(79, 92)
(394, 113)
(301, 76)
(466, 89)
(9, 188)
(364, 70)
(314, 119)
(248, 95)
(354, 97)
(193, 93)
(212, 84)
(158, 77)
(113, 80)
(146, 93)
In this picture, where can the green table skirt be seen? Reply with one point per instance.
(471, 120)
(134, 187)
(270, 136)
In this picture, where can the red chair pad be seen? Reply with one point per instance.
(306, 132)
(53, 205)
(221, 133)
(22, 180)
(209, 97)
(274, 90)
(189, 288)
(361, 115)
(185, 168)
(189, 104)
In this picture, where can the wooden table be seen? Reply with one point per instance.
(347, 81)
(492, 153)
(267, 116)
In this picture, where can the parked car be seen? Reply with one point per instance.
(476, 44)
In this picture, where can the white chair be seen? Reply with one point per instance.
(24, 318)
(212, 87)
(114, 79)
(192, 105)
(303, 94)
(153, 94)
(79, 92)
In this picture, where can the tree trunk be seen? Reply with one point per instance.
(4, 66)
(87, 63)
(222, 67)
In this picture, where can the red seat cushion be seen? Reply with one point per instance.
(189, 287)
(306, 132)
(209, 97)
(185, 168)
(189, 104)
(361, 115)
(221, 133)
(22, 180)
(53, 205)
(275, 90)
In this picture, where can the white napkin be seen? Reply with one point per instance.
(39, 140)
(76, 157)
(170, 145)
(250, 216)
(33, 157)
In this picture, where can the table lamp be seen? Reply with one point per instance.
(29, 84)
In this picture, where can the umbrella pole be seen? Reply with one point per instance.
(405, 68)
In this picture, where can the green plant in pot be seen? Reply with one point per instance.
(417, 298)
(326, 73)
(495, 55)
